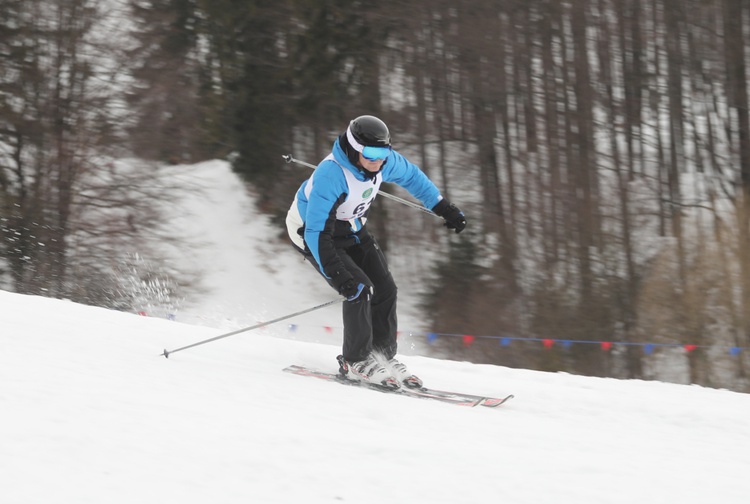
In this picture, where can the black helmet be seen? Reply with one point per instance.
(370, 131)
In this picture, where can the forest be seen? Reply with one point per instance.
(599, 148)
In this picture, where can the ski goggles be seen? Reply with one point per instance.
(375, 153)
(371, 153)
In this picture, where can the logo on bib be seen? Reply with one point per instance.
(367, 193)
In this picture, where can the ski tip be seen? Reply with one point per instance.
(165, 354)
(492, 402)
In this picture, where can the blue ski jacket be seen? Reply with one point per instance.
(330, 208)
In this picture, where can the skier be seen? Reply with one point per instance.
(327, 223)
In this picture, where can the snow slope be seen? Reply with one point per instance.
(245, 267)
(90, 412)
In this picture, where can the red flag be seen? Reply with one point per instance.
(690, 348)
(606, 346)
(468, 340)
(548, 343)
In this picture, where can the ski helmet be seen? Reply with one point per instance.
(369, 131)
(369, 136)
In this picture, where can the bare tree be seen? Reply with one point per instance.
(66, 213)
(47, 129)
(737, 98)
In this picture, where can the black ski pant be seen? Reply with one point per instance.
(369, 322)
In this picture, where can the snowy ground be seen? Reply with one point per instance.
(91, 413)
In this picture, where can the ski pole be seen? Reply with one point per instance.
(290, 159)
(167, 353)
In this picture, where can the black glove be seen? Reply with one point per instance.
(353, 290)
(454, 217)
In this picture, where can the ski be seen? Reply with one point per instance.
(456, 398)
